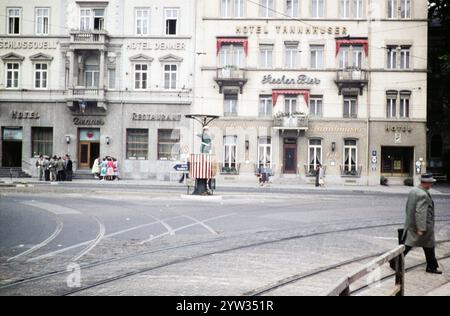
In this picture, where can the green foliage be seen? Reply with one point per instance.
(409, 182)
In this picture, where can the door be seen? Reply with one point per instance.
(290, 157)
(397, 161)
(12, 154)
(85, 153)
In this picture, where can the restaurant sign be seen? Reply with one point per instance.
(301, 79)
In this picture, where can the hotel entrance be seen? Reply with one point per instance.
(12, 147)
(89, 147)
(290, 156)
(397, 161)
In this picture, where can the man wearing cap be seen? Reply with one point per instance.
(419, 224)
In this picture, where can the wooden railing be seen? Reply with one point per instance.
(343, 288)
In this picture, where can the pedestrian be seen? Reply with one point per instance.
(103, 169)
(116, 169)
(40, 167)
(47, 168)
(317, 174)
(59, 169)
(109, 169)
(69, 168)
(52, 166)
(96, 168)
(321, 176)
(419, 223)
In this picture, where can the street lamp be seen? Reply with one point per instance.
(108, 140)
(68, 139)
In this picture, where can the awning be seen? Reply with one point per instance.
(276, 93)
(228, 40)
(363, 42)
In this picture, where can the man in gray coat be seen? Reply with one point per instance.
(419, 224)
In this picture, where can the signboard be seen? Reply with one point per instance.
(12, 134)
(90, 135)
(181, 167)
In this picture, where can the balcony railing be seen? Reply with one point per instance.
(88, 37)
(311, 172)
(299, 122)
(231, 76)
(228, 169)
(87, 93)
(352, 78)
(353, 171)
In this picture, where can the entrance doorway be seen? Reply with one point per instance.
(12, 147)
(290, 156)
(397, 161)
(89, 147)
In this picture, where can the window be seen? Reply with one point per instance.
(170, 77)
(232, 8)
(230, 151)
(392, 9)
(232, 55)
(230, 104)
(358, 9)
(265, 105)
(264, 152)
(292, 8)
(142, 21)
(391, 57)
(357, 55)
(42, 21)
(14, 20)
(405, 57)
(350, 157)
(317, 8)
(404, 104)
(91, 76)
(99, 19)
(42, 141)
(85, 19)
(405, 9)
(315, 106)
(112, 78)
(291, 60)
(12, 75)
(350, 107)
(344, 9)
(391, 105)
(290, 105)
(171, 21)
(137, 144)
(266, 56)
(169, 144)
(316, 56)
(140, 76)
(40, 75)
(267, 8)
(344, 57)
(314, 154)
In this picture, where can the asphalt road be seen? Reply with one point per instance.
(45, 230)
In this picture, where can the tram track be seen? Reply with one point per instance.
(195, 257)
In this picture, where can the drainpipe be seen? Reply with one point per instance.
(369, 77)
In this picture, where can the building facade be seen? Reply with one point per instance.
(296, 83)
(302, 83)
(95, 79)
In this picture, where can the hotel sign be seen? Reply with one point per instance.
(27, 44)
(291, 30)
(156, 46)
(26, 115)
(301, 79)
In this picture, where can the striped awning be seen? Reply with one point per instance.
(201, 166)
(276, 93)
(350, 41)
(232, 40)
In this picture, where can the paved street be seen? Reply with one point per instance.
(137, 240)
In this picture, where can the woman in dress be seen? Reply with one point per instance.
(103, 169)
(116, 169)
(110, 169)
(96, 168)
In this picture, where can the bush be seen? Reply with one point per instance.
(409, 182)
(383, 180)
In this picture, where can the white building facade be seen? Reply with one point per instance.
(94, 79)
(308, 82)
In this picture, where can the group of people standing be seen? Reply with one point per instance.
(106, 169)
(54, 168)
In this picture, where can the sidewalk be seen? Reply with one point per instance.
(439, 190)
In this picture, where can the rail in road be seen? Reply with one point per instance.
(59, 276)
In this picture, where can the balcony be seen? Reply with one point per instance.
(93, 95)
(284, 121)
(231, 77)
(351, 78)
(353, 171)
(96, 39)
